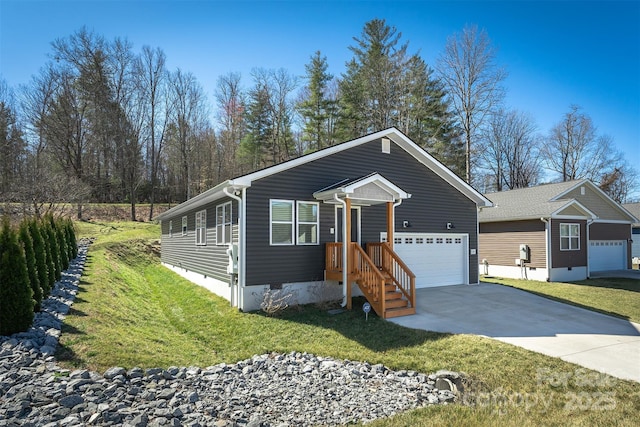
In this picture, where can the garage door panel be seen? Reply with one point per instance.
(435, 259)
(607, 255)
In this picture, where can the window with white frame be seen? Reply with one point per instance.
(281, 218)
(569, 237)
(184, 225)
(170, 228)
(307, 223)
(223, 223)
(201, 228)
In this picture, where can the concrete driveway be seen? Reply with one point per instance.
(627, 274)
(593, 340)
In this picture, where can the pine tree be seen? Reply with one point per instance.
(316, 107)
(259, 127)
(30, 257)
(16, 296)
(40, 254)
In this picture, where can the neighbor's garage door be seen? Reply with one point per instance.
(435, 259)
(607, 255)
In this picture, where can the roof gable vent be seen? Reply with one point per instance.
(386, 145)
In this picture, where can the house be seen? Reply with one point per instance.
(634, 208)
(407, 220)
(554, 232)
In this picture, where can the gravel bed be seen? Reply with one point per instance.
(295, 389)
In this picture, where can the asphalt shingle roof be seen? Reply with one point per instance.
(634, 209)
(526, 203)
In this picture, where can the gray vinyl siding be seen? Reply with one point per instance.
(433, 203)
(181, 251)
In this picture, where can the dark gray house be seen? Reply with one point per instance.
(410, 222)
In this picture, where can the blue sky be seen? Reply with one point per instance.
(557, 53)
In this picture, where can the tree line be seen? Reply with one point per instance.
(32, 258)
(103, 123)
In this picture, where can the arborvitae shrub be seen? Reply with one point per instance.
(62, 244)
(73, 244)
(30, 257)
(16, 302)
(50, 260)
(54, 246)
(40, 253)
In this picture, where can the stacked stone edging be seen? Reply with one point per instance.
(295, 389)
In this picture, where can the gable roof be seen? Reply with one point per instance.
(392, 134)
(543, 201)
(366, 190)
(634, 209)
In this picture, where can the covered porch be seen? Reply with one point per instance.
(384, 279)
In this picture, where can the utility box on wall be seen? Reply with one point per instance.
(524, 253)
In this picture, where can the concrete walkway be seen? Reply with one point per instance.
(593, 340)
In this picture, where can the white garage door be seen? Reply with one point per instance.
(607, 255)
(435, 259)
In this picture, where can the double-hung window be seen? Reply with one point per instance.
(281, 218)
(184, 225)
(223, 223)
(569, 237)
(170, 228)
(201, 228)
(294, 222)
(307, 223)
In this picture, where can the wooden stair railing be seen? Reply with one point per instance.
(389, 295)
(388, 261)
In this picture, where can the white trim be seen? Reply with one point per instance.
(224, 241)
(316, 223)
(396, 136)
(201, 237)
(570, 236)
(579, 206)
(293, 222)
(600, 193)
(171, 228)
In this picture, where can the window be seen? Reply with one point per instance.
(170, 228)
(569, 237)
(201, 228)
(308, 223)
(281, 218)
(223, 224)
(184, 225)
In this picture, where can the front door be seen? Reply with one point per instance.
(355, 224)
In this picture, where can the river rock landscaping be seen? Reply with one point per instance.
(294, 389)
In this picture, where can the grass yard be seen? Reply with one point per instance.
(614, 296)
(131, 311)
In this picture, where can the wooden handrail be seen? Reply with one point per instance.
(363, 271)
(370, 279)
(388, 261)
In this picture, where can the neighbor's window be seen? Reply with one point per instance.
(201, 228)
(281, 218)
(307, 223)
(170, 228)
(569, 237)
(223, 223)
(184, 225)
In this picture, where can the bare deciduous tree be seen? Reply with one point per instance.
(510, 150)
(473, 80)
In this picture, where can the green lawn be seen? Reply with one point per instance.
(614, 296)
(131, 311)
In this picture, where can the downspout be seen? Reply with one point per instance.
(393, 222)
(588, 245)
(547, 244)
(345, 274)
(240, 246)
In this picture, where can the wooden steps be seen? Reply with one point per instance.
(395, 303)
